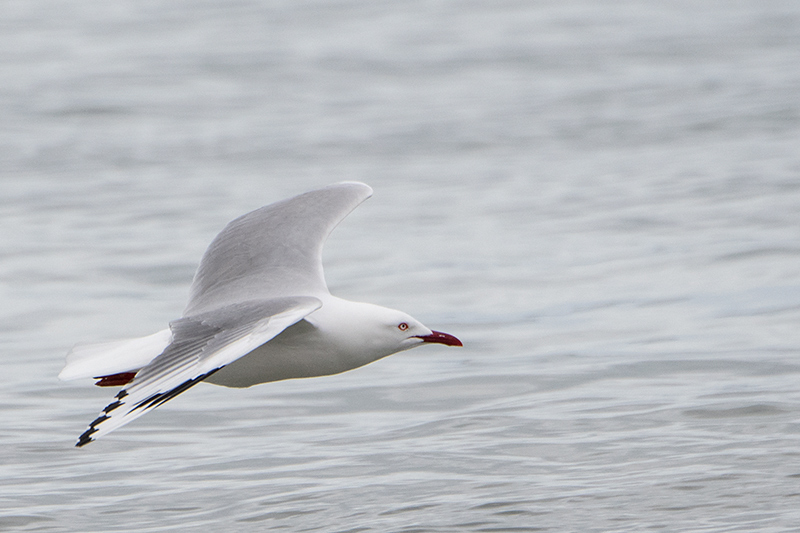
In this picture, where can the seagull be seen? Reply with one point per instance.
(259, 311)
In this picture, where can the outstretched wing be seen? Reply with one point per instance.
(274, 251)
(201, 345)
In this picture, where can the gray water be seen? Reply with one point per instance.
(601, 199)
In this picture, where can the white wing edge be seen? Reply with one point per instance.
(107, 358)
(136, 394)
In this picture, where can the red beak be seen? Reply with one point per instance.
(441, 338)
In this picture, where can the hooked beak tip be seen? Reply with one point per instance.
(441, 338)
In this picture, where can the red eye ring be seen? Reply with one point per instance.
(402, 326)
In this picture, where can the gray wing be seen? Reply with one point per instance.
(201, 345)
(273, 251)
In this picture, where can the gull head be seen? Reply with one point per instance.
(371, 332)
(407, 332)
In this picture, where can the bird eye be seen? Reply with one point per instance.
(402, 326)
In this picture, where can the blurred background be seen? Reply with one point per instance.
(601, 199)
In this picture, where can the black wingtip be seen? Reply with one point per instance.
(85, 438)
(148, 403)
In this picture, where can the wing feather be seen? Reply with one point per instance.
(201, 345)
(274, 251)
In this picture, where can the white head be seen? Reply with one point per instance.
(371, 332)
(404, 331)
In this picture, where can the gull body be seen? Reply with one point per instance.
(259, 311)
(339, 336)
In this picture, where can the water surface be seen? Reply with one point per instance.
(601, 199)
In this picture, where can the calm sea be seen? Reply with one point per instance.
(600, 198)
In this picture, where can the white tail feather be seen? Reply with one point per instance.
(107, 358)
